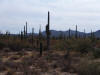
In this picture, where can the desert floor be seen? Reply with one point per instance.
(53, 62)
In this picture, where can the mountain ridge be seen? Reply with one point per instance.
(56, 33)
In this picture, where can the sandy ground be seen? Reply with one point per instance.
(52, 62)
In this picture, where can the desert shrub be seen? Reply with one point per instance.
(80, 45)
(71, 44)
(84, 46)
(60, 45)
(98, 44)
(18, 45)
(96, 53)
(89, 68)
(2, 44)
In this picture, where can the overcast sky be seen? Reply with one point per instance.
(64, 14)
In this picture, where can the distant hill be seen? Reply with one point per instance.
(66, 33)
(55, 33)
(97, 33)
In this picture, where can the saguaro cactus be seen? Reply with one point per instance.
(40, 34)
(91, 34)
(24, 32)
(92, 37)
(84, 34)
(69, 33)
(41, 48)
(76, 34)
(8, 34)
(21, 35)
(48, 32)
(37, 43)
(32, 34)
(26, 28)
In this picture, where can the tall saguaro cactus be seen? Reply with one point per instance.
(40, 34)
(41, 49)
(91, 34)
(76, 34)
(24, 32)
(84, 34)
(48, 32)
(32, 34)
(32, 31)
(21, 35)
(69, 34)
(26, 28)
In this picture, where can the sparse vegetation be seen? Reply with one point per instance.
(28, 54)
(89, 68)
(96, 52)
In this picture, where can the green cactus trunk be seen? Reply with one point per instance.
(69, 34)
(76, 34)
(41, 49)
(21, 35)
(26, 29)
(48, 32)
(32, 35)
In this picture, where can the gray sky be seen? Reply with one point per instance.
(65, 14)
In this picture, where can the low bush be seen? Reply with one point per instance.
(89, 68)
(2, 44)
(96, 53)
(18, 45)
(59, 45)
(81, 45)
(84, 46)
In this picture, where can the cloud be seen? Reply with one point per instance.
(64, 14)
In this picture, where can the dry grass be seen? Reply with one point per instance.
(52, 62)
(29, 62)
